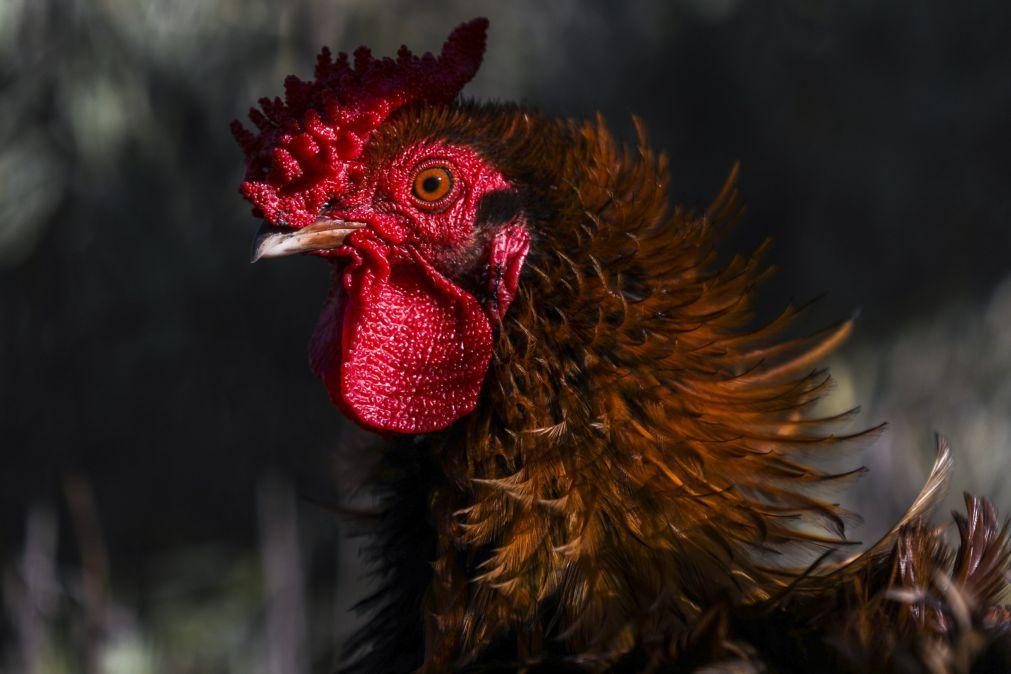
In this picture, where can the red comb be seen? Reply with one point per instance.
(308, 143)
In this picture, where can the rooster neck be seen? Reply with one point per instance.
(636, 457)
(633, 454)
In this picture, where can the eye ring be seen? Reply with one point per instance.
(432, 185)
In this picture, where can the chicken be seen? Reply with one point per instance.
(594, 458)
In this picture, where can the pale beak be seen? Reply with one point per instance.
(324, 234)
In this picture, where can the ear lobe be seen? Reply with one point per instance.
(506, 255)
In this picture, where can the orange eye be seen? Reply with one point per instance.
(433, 184)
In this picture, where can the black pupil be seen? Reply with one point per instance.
(431, 183)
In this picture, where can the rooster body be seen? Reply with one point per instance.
(610, 458)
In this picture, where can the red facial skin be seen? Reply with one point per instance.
(307, 148)
(401, 345)
(405, 338)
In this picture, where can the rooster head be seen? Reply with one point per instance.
(425, 264)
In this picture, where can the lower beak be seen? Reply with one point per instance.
(324, 234)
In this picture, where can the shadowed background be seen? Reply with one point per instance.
(158, 421)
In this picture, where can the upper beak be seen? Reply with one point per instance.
(323, 234)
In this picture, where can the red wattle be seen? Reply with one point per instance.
(401, 348)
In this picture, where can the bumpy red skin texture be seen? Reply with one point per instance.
(400, 346)
(308, 147)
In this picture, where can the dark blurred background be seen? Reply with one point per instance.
(163, 441)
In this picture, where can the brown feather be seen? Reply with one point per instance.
(636, 453)
(633, 485)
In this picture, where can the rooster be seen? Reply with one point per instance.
(594, 459)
